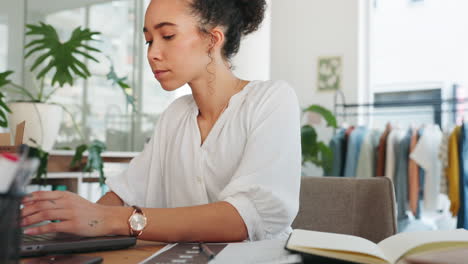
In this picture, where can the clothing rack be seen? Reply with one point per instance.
(407, 103)
(341, 109)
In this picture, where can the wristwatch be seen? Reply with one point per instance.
(137, 221)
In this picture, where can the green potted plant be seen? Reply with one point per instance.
(55, 65)
(313, 150)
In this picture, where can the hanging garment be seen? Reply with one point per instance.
(413, 176)
(338, 147)
(462, 221)
(381, 151)
(426, 155)
(353, 151)
(453, 171)
(443, 157)
(401, 175)
(392, 139)
(421, 181)
(367, 158)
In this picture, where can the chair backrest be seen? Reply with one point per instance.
(353, 206)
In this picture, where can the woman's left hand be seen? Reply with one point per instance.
(76, 215)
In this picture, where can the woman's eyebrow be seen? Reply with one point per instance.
(160, 25)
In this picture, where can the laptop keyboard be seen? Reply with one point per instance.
(31, 238)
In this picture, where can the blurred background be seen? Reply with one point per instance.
(386, 50)
(369, 62)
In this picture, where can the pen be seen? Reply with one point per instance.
(207, 251)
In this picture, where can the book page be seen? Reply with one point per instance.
(398, 245)
(334, 242)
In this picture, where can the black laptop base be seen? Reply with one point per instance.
(60, 243)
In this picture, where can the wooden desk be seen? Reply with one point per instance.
(136, 254)
(141, 251)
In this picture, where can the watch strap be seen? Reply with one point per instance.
(136, 210)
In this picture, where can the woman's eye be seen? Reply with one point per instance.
(168, 37)
(149, 42)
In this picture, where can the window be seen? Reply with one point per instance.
(417, 52)
(99, 108)
(109, 120)
(3, 43)
(408, 107)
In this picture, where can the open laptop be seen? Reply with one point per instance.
(60, 243)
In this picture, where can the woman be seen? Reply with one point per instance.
(223, 164)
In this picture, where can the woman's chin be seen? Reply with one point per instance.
(169, 87)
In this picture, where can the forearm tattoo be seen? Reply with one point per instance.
(93, 223)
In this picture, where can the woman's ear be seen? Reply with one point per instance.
(217, 38)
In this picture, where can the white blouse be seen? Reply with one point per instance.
(251, 158)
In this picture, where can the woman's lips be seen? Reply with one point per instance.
(160, 74)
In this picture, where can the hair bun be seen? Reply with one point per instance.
(253, 12)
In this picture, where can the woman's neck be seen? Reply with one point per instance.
(212, 93)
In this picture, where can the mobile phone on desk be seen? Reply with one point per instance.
(63, 259)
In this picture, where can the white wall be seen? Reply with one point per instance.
(303, 30)
(253, 60)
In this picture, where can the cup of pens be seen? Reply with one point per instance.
(15, 174)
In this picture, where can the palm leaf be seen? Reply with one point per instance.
(60, 57)
(3, 78)
(39, 60)
(3, 106)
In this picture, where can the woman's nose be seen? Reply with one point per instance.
(154, 52)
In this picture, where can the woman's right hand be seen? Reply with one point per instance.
(76, 215)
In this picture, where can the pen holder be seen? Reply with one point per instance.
(10, 230)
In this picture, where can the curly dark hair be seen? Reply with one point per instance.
(239, 17)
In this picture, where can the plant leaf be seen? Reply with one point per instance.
(325, 113)
(3, 106)
(326, 155)
(3, 78)
(308, 142)
(78, 155)
(95, 162)
(126, 89)
(43, 156)
(60, 56)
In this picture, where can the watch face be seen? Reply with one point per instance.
(137, 222)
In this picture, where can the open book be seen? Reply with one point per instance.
(359, 250)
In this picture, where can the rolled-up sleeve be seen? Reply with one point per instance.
(265, 188)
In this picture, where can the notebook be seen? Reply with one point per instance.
(59, 243)
(339, 248)
(451, 256)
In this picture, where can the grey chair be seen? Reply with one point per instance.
(353, 206)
